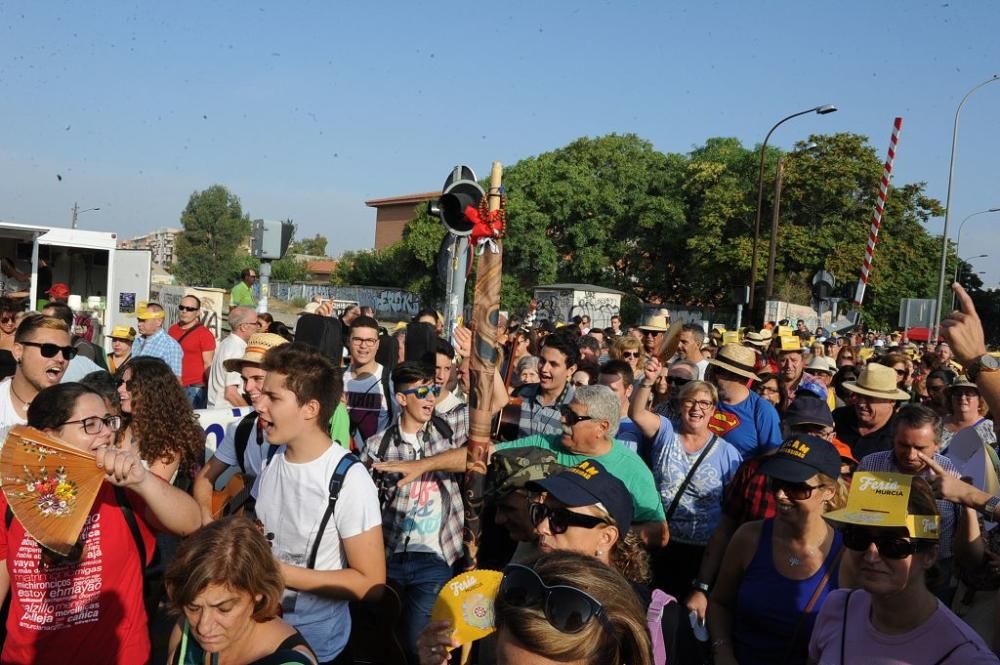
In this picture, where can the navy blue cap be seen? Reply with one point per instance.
(588, 483)
(808, 409)
(801, 457)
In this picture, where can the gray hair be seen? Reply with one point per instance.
(697, 332)
(602, 404)
(238, 315)
(686, 364)
(527, 362)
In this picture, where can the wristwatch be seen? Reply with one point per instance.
(990, 509)
(702, 586)
(984, 363)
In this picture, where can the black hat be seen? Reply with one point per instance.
(800, 457)
(807, 409)
(588, 483)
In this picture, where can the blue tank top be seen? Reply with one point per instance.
(769, 607)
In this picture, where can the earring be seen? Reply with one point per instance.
(599, 553)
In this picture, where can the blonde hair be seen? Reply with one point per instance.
(629, 645)
(839, 499)
(623, 344)
(692, 387)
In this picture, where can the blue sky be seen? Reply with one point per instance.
(306, 109)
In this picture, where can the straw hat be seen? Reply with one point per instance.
(656, 322)
(257, 346)
(962, 382)
(820, 364)
(760, 339)
(126, 333)
(877, 381)
(736, 359)
(880, 499)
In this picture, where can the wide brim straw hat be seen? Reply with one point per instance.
(257, 346)
(737, 359)
(877, 381)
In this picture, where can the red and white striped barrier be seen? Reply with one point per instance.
(866, 265)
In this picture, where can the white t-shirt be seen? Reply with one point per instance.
(421, 528)
(366, 404)
(291, 501)
(231, 347)
(254, 456)
(702, 367)
(445, 405)
(9, 415)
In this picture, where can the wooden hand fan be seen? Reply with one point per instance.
(49, 485)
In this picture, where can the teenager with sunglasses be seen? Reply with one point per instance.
(88, 606)
(893, 617)
(776, 573)
(422, 521)
(42, 350)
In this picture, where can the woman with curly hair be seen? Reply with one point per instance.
(629, 349)
(159, 423)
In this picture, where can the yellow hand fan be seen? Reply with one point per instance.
(466, 601)
(49, 485)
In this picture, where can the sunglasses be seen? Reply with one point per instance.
(96, 424)
(571, 417)
(187, 309)
(678, 381)
(566, 608)
(561, 519)
(889, 546)
(128, 384)
(422, 391)
(49, 350)
(794, 491)
(631, 354)
(8, 319)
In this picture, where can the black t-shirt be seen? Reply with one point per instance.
(845, 422)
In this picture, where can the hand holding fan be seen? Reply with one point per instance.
(466, 601)
(50, 486)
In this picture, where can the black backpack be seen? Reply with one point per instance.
(324, 333)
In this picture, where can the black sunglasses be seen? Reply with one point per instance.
(561, 519)
(794, 491)
(889, 546)
(187, 309)
(567, 608)
(49, 350)
(570, 416)
(678, 381)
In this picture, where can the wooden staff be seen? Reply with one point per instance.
(483, 366)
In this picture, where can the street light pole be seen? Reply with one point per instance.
(821, 110)
(77, 212)
(958, 246)
(947, 204)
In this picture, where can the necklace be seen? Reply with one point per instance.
(795, 561)
(24, 404)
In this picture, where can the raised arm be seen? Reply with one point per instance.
(647, 421)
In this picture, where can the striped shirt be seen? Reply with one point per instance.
(538, 418)
(950, 512)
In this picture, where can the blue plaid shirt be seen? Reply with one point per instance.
(160, 345)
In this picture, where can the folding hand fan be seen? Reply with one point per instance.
(49, 485)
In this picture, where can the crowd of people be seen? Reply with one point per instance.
(654, 494)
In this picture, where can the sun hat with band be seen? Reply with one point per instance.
(738, 359)
(761, 339)
(257, 346)
(586, 484)
(877, 381)
(801, 457)
(126, 333)
(881, 499)
(654, 322)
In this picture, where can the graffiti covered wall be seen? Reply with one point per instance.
(558, 305)
(389, 304)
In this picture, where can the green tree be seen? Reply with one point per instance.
(214, 229)
(315, 246)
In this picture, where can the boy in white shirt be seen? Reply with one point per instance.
(326, 559)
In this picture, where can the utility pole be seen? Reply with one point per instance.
(76, 212)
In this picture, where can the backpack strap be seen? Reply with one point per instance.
(336, 484)
(843, 627)
(189, 331)
(654, 624)
(442, 427)
(242, 438)
(133, 524)
(386, 392)
(8, 517)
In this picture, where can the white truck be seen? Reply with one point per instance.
(108, 281)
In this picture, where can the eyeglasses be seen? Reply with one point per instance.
(422, 391)
(794, 491)
(631, 354)
(561, 519)
(577, 384)
(678, 381)
(572, 417)
(703, 404)
(768, 390)
(96, 424)
(364, 341)
(889, 546)
(566, 608)
(183, 308)
(49, 350)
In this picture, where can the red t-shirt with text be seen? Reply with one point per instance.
(198, 340)
(90, 611)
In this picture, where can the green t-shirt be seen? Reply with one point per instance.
(340, 426)
(242, 296)
(620, 462)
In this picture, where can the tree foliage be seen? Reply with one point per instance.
(315, 246)
(615, 212)
(215, 227)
